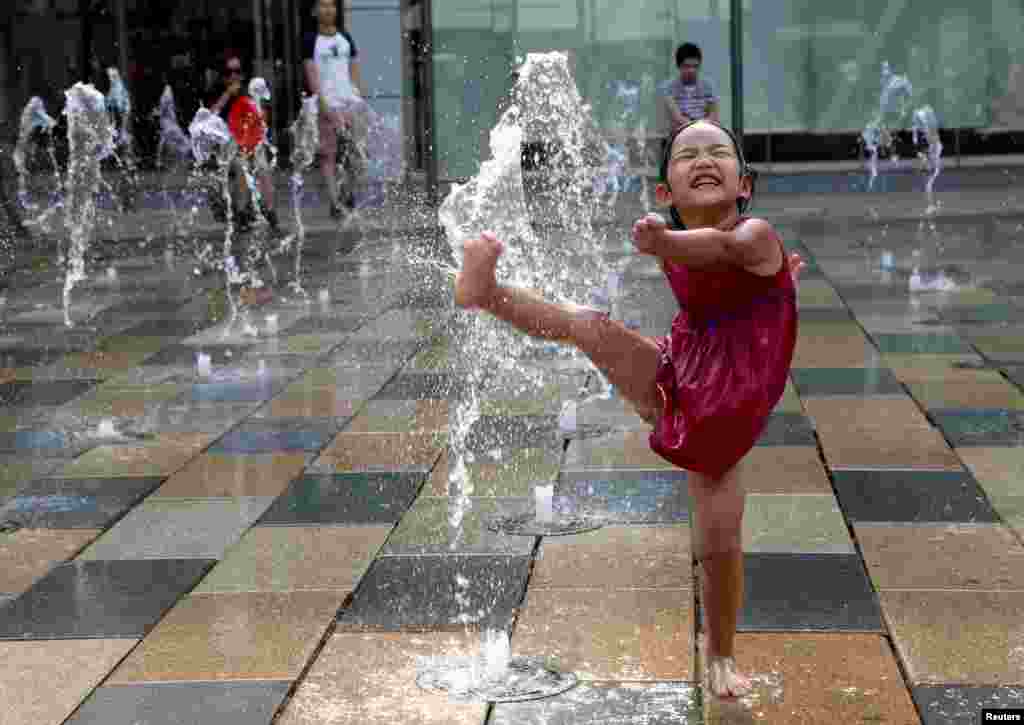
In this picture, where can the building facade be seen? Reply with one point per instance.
(810, 69)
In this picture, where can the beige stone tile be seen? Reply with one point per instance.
(297, 558)
(162, 456)
(956, 637)
(214, 475)
(1000, 471)
(27, 554)
(400, 416)
(43, 682)
(376, 451)
(846, 412)
(810, 679)
(370, 679)
(923, 448)
(941, 556)
(248, 636)
(938, 368)
(784, 469)
(616, 557)
(618, 635)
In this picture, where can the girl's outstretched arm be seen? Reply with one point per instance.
(752, 244)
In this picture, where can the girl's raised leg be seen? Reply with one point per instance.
(719, 549)
(627, 358)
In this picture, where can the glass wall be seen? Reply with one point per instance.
(620, 54)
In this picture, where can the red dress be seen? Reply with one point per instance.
(724, 365)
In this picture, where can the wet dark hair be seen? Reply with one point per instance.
(741, 204)
(687, 51)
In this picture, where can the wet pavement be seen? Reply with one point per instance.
(274, 538)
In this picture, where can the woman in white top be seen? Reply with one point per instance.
(332, 74)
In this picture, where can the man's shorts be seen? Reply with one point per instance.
(354, 132)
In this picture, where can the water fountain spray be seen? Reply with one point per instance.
(925, 129)
(119, 104)
(90, 140)
(305, 133)
(36, 128)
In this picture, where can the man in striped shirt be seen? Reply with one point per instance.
(689, 97)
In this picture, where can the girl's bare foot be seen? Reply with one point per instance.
(475, 282)
(725, 680)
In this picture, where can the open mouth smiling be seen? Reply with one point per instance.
(704, 180)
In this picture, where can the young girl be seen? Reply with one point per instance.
(710, 385)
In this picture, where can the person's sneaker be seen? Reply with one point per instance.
(255, 296)
(244, 221)
(271, 215)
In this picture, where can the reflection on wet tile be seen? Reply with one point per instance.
(277, 435)
(232, 392)
(26, 441)
(28, 554)
(215, 475)
(917, 448)
(954, 556)
(179, 355)
(512, 474)
(438, 593)
(513, 431)
(124, 401)
(958, 637)
(817, 678)
(161, 456)
(381, 452)
(345, 498)
(359, 679)
(230, 703)
(785, 469)
(801, 592)
(43, 682)
(400, 416)
(89, 599)
(250, 636)
(795, 524)
(846, 381)
(961, 705)
(296, 558)
(962, 394)
(912, 496)
(75, 503)
(973, 427)
(632, 635)
(602, 703)
(178, 529)
(893, 344)
(616, 557)
(317, 325)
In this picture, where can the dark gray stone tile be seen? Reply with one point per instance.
(345, 498)
(28, 357)
(912, 496)
(376, 353)
(787, 429)
(326, 324)
(183, 703)
(846, 381)
(272, 435)
(514, 431)
(438, 592)
(808, 592)
(1016, 374)
(421, 386)
(602, 703)
(97, 599)
(961, 705)
(980, 427)
(58, 392)
(166, 327)
(75, 503)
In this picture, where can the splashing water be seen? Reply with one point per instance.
(90, 140)
(925, 128)
(305, 133)
(119, 104)
(562, 258)
(36, 128)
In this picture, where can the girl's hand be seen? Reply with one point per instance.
(796, 266)
(648, 234)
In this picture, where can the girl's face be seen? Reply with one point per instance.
(704, 170)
